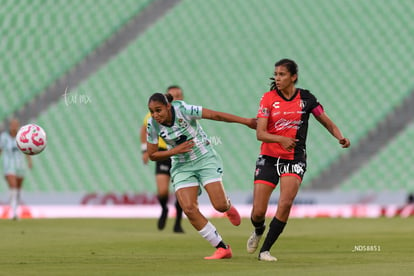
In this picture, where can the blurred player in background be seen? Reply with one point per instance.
(14, 166)
(282, 126)
(195, 164)
(162, 169)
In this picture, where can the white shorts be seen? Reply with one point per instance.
(14, 168)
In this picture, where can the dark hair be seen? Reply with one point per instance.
(290, 65)
(161, 98)
(169, 97)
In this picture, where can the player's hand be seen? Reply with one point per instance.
(252, 123)
(145, 158)
(288, 143)
(345, 142)
(186, 146)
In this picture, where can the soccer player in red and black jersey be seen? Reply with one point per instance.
(282, 127)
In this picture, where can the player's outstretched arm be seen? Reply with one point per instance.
(229, 118)
(333, 129)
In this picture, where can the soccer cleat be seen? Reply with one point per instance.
(234, 216)
(265, 256)
(163, 219)
(221, 253)
(253, 242)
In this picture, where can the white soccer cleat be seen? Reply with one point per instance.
(253, 242)
(265, 256)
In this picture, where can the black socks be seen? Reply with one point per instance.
(164, 214)
(179, 215)
(222, 245)
(259, 227)
(275, 229)
(163, 201)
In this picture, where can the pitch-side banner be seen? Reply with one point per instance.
(153, 211)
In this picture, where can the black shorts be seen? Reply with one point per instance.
(269, 169)
(163, 166)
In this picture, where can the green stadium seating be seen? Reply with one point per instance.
(390, 170)
(41, 40)
(355, 56)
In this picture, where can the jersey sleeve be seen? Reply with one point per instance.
(152, 133)
(191, 111)
(264, 107)
(317, 111)
(145, 121)
(315, 107)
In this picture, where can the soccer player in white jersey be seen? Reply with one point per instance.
(13, 164)
(162, 169)
(195, 163)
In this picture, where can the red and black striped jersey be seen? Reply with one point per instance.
(288, 117)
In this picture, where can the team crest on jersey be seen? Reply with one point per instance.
(182, 123)
(302, 104)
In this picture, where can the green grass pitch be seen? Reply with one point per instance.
(320, 246)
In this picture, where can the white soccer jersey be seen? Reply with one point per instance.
(184, 127)
(13, 158)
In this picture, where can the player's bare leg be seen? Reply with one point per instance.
(221, 202)
(187, 198)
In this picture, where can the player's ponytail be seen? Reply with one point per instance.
(169, 97)
(273, 84)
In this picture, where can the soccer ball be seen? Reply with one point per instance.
(31, 139)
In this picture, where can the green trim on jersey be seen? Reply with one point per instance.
(185, 127)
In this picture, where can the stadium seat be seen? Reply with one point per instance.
(390, 170)
(42, 40)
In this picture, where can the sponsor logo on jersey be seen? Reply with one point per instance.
(195, 110)
(286, 124)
